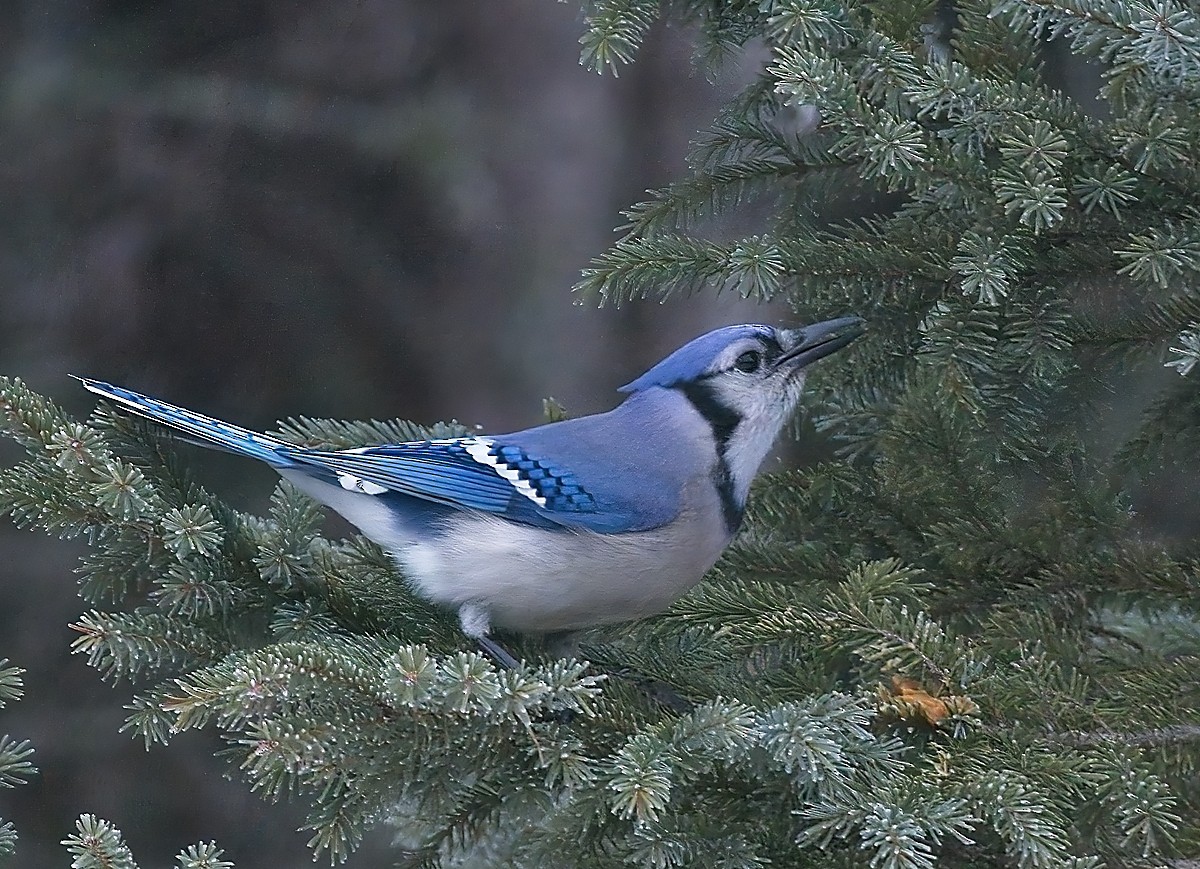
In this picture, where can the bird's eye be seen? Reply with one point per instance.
(748, 361)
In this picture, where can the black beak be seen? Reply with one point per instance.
(819, 340)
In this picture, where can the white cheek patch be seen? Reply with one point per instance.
(480, 450)
(351, 483)
(765, 410)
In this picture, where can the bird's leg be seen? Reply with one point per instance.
(476, 623)
(497, 653)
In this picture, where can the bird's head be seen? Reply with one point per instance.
(745, 381)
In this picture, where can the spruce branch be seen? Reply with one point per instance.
(204, 855)
(122, 645)
(614, 29)
(14, 766)
(1188, 353)
(35, 421)
(635, 267)
(1161, 736)
(343, 434)
(11, 683)
(1032, 828)
(97, 844)
(1157, 321)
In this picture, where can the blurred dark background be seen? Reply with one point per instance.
(262, 208)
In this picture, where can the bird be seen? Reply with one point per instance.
(569, 525)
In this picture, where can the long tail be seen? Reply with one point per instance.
(199, 428)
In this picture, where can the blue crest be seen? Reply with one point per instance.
(694, 358)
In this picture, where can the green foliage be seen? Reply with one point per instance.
(97, 844)
(953, 644)
(15, 767)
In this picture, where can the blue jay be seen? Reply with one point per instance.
(577, 523)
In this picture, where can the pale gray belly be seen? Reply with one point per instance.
(539, 580)
(536, 580)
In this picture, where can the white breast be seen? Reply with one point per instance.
(538, 580)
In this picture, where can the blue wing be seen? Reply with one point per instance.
(493, 475)
(473, 473)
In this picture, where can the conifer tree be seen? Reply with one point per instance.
(951, 643)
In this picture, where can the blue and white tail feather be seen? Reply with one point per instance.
(205, 429)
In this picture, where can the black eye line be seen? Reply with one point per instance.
(768, 351)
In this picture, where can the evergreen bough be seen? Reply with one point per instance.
(15, 767)
(951, 644)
